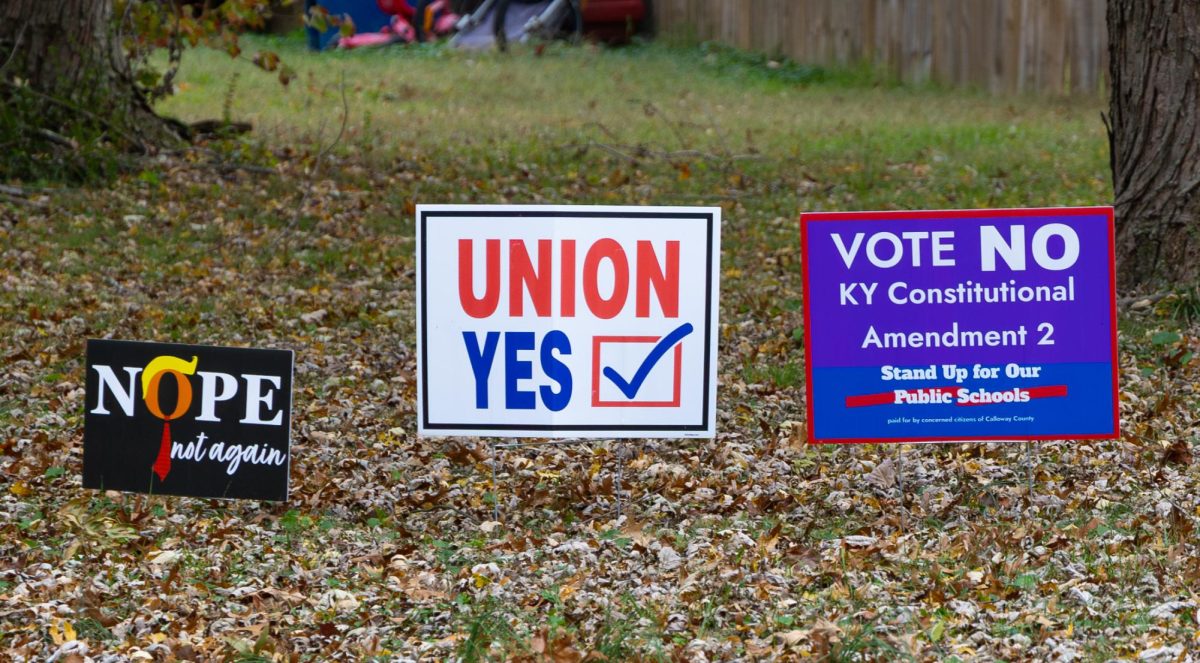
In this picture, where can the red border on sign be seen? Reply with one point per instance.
(596, 402)
(811, 217)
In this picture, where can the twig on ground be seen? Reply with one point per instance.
(1130, 300)
(230, 166)
(724, 159)
(603, 129)
(216, 162)
(711, 196)
(20, 200)
(613, 151)
(57, 139)
(708, 156)
(634, 153)
(720, 134)
(651, 110)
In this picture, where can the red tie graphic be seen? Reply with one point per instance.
(151, 378)
(162, 465)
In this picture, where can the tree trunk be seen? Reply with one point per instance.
(1154, 48)
(64, 59)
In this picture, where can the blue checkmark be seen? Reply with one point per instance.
(630, 388)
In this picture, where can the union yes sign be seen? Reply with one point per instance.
(556, 321)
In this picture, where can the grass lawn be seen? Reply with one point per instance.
(752, 545)
(806, 138)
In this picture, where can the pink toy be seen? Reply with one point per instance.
(436, 19)
(399, 32)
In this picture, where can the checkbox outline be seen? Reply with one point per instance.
(597, 341)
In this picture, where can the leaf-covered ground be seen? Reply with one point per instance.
(754, 545)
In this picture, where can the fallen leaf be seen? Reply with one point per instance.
(163, 557)
(313, 316)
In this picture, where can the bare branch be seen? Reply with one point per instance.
(341, 130)
(57, 139)
(16, 46)
(613, 151)
(18, 196)
(321, 153)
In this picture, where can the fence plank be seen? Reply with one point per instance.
(1053, 47)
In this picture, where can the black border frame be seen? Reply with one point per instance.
(709, 329)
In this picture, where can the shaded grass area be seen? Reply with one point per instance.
(750, 545)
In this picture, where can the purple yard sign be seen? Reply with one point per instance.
(960, 325)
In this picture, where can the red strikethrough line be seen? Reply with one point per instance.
(889, 397)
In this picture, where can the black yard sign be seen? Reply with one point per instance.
(174, 419)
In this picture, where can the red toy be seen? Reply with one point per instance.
(409, 23)
(615, 21)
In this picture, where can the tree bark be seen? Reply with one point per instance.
(1154, 135)
(68, 55)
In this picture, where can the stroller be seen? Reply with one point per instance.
(496, 22)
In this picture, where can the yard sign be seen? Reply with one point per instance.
(198, 420)
(555, 321)
(960, 325)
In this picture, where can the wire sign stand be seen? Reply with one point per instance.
(568, 323)
(965, 326)
(496, 447)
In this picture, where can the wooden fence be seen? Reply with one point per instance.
(1005, 46)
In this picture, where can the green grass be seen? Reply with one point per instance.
(730, 127)
(784, 376)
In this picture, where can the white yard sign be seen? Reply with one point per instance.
(567, 321)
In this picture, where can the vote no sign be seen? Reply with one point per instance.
(960, 325)
(567, 321)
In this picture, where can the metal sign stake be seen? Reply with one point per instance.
(495, 486)
(497, 446)
(1029, 467)
(617, 488)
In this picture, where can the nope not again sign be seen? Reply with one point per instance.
(194, 420)
(567, 321)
